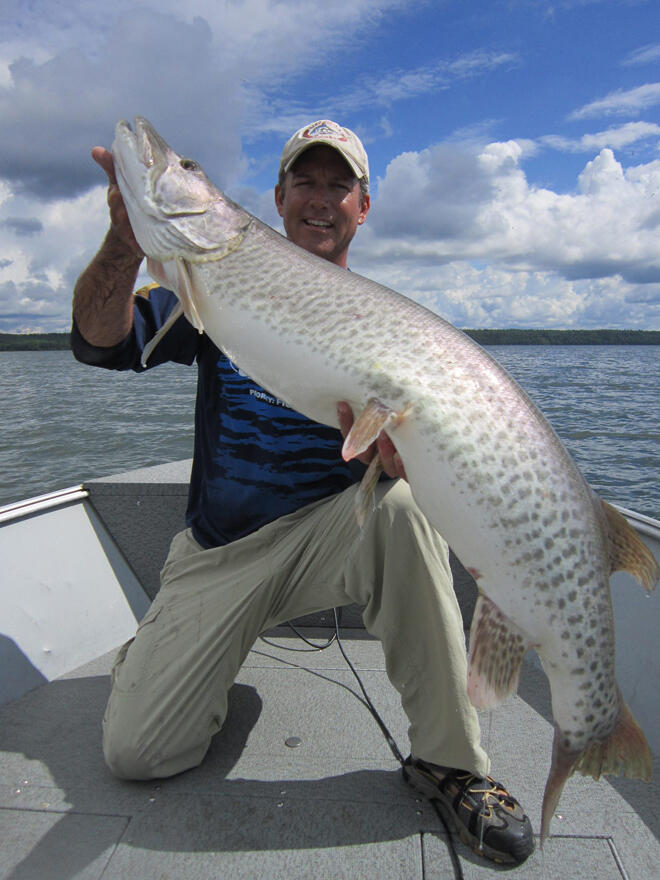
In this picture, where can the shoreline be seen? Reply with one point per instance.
(506, 336)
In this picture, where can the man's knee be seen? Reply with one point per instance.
(125, 759)
(132, 753)
(396, 508)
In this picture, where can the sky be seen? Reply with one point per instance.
(514, 145)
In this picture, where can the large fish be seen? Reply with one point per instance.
(483, 463)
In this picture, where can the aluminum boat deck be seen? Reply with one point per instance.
(330, 803)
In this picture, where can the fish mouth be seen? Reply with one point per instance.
(144, 141)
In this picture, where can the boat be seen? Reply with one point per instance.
(300, 782)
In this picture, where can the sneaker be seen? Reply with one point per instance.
(488, 819)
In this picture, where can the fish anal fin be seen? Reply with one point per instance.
(364, 497)
(627, 550)
(373, 419)
(497, 648)
(625, 752)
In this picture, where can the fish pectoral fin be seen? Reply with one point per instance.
(364, 500)
(625, 752)
(497, 648)
(173, 317)
(186, 293)
(373, 419)
(627, 550)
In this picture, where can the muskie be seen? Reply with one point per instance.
(482, 462)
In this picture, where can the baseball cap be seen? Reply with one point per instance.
(327, 132)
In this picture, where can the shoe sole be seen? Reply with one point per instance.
(423, 785)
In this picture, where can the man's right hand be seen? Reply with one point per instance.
(119, 222)
(103, 294)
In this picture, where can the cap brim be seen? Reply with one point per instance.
(355, 168)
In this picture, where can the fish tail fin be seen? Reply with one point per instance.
(625, 752)
(627, 550)
(497, 649)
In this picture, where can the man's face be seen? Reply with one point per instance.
(321, 205)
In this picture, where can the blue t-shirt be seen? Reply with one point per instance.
(255, 459)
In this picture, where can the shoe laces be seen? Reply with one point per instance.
(492, 793)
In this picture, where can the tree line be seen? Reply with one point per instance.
(511, 336)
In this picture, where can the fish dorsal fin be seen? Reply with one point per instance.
(627, 550)
(497, 648)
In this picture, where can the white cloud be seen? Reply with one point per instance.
(477, 241)
(200, 70)
(459, 224)
(37, 281)
(644, 55)
(621, 101)
(402, 84)
(54, 112)
(615, 138)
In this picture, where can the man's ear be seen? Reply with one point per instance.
(279, 200)
(364, 208)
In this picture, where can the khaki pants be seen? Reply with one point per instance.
(170, 683)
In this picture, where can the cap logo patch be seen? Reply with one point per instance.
(324, 129)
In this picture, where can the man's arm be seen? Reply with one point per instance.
(103, 295)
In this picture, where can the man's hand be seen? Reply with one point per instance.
(392, 464)
(120, 224)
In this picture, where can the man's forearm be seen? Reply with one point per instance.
(103, 295)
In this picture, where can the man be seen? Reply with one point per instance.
(271, 531)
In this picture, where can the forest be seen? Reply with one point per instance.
(510, 336)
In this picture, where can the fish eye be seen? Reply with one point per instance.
(189, 164)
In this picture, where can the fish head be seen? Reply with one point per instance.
(174, 209)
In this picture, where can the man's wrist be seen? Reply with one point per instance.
(116, 248)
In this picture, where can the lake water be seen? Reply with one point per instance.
(64, 423)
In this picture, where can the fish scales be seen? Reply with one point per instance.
(483, 463)
(362, 339)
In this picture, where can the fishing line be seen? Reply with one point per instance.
(366, 701)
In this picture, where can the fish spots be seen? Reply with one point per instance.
(476, 574)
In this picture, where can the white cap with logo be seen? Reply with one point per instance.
(327, 132)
